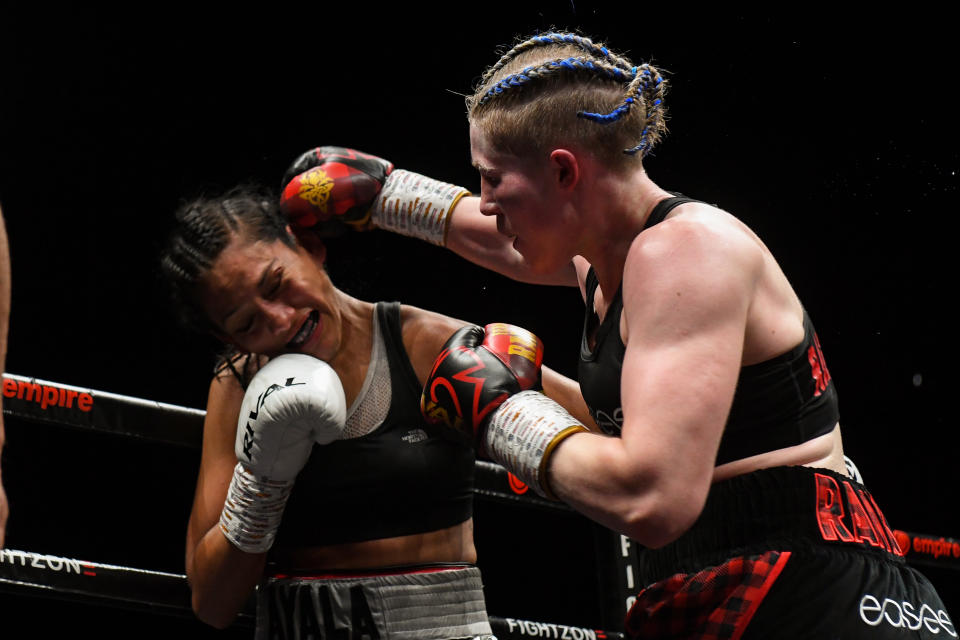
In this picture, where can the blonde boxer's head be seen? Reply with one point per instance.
(563, 90)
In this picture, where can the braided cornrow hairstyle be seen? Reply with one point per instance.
(545, 90)
(203, 229)
(597, 51)
(571, 64)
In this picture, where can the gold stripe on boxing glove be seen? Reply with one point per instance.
(523, 434)
(557, 439)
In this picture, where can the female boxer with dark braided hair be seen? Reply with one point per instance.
(372, 494)
(723, 454)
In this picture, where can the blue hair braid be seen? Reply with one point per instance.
(585, 44)
(573, 64)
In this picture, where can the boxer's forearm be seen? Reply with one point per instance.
(329, 188)
(474, 237)
(222, 578)
(566, 393)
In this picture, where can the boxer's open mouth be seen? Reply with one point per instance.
(306, 330)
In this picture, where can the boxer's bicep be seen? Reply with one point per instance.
(685, 306)
(685, 309)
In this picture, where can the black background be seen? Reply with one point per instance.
(833, 136)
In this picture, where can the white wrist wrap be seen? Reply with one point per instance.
(414, 205)
(523, 433)
(253, 509)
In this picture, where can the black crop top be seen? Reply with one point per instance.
(779, 403)
(404, 477)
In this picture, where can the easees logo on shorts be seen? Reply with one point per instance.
(904, 615)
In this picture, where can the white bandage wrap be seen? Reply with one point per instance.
(253, 509)
(523, 434)
(414, 205)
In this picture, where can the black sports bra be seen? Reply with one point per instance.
(402, 478)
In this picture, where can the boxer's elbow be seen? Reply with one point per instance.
(210, 610)
(221, 579)
(663, 512)
(657, 529)
(213, 602)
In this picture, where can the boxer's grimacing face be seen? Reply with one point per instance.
(268, 298)
(520, 193)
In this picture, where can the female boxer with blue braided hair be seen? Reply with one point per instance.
(316, 419)
(723, 454)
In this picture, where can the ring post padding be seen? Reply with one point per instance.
(616, 557)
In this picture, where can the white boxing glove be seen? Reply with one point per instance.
(294, 401)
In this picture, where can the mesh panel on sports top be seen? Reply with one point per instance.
(370, 407)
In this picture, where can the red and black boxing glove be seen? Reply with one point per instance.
(331, 189)
(328, 190)
(477, 370)
(486, 383)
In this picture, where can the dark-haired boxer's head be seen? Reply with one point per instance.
(204, 227)
(562, 89)
(234, 270)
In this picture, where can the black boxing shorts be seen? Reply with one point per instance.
(440, 602)
(788, 552)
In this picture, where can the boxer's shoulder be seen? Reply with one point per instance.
(237, 369)
(424, 334)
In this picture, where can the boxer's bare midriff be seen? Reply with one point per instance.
(454, 544)
(823, 452)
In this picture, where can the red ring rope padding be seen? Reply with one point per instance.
(55, 403)
(929, 551)
(64, 405)
(28, 573)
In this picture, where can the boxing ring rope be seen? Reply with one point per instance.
(157, 592)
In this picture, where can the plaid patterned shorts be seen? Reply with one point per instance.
(714, 603)
(786, 553)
